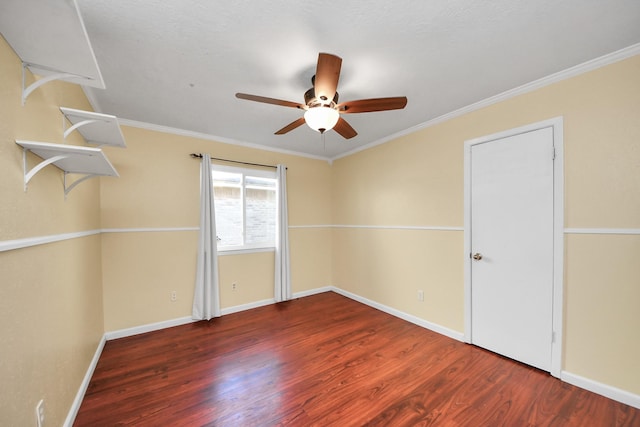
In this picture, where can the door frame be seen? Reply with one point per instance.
(558, 232)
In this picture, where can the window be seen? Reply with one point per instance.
(245, 203)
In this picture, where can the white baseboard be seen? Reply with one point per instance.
(313, 292)
(602, 389)
(75, 406)
(248, 306)
(256, 304)
(121, 333)
(459, 336)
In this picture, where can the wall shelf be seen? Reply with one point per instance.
(52, 42)
(71, 159)
(96, 128)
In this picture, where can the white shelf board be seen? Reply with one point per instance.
(50, 38)
(82, 160)
(96, 128)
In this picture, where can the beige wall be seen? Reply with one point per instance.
(159, 188)
(56, 300)
(417, 180)
(50, 295)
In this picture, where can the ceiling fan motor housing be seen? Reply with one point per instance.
(311, 101)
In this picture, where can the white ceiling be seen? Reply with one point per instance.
(179, 63)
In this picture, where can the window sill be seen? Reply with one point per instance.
(224, 252)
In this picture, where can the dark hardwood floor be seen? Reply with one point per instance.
(326, 360)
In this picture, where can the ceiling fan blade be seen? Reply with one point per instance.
(345, 129)
(327, 76)
(291, 126)
(374, 104)
(266, 100)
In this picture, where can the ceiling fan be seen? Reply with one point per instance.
(322, 109)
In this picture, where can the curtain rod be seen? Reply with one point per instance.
(199, 156)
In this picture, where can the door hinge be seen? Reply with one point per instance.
(553, 337)
(553, 156)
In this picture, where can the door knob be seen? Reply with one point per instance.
(477, 256)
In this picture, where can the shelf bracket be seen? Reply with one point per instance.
(38, 167)
(67, 189)
(86, 162)
(77, 125)
(35, 85)
(96, 128)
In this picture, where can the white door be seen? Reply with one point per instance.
(512, 243)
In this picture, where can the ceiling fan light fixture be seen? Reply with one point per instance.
(322, 110)
(321, 118)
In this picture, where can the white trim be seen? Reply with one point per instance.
(629, 231)
(226, 252)
(585, 67)
(557, 350)
(238, 308)
(209, 137)
(148, 229)
(248, 306)
(458, 336)
(558, 232)
(8, 245)
(150, 327)
(605, 390)
(315, 291)
(383, 227)
(77, 402)
(311, 226)
(466, 251)
(576, 70)
(402, 227)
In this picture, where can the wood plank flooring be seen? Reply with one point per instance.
(326, 360)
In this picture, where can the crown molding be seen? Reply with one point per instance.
(209, 137)
(585, 67)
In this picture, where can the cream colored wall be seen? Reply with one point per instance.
(390, 266)
(159, 188)
(417, 180)
(60, 285)
(50, 295)
(602, 293)
(77, 289)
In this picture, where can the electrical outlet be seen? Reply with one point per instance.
(40, 413)
(420, 295)
(174, 296)
(234, 286)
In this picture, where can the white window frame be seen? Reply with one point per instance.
(250, 172)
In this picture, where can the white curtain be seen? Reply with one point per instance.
(283, 271)
(206, 300)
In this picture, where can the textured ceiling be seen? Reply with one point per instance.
(178, 63)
